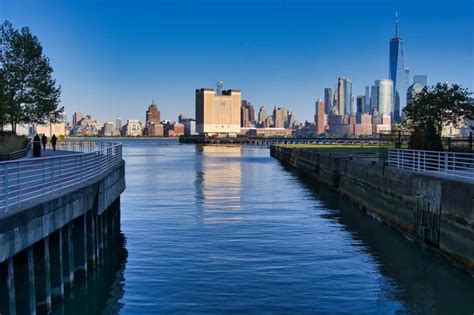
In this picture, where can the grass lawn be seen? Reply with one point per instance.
(11, 143)
(356, 148)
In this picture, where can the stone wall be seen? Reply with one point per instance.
(437, 212)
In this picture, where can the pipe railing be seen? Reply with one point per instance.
(452, 164)
(29, 178)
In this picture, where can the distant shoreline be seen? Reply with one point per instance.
(125, 138)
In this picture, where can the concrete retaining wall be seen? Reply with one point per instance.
(437, 212)
(39, 218)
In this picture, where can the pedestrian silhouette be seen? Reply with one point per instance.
(36, 146)
(44, 141)
(53, 141)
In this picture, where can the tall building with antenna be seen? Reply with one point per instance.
(397, 72)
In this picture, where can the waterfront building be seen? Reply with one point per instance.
(364, 126)
(109, 129)
(76, 118)
(353, 109)
(280, 117)
(397, 72)
(360, 104)
(421, 79)
(385, 97)
(320, 116)
(339, 125)
(268, 122)
(413, 90)
(189, 126)
(48, 129)
(367, 100)
(328, 100)
(249, 112)
(119, 123)
(384, 125)
(292, 121)
(262, 115)
(153, 126)
(267, 132)
(218, 113)
(133, 128)
(374, 97)
(344, 96)
(173, 129)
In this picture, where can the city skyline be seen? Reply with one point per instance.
(280, 64)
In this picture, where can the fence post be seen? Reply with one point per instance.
(5, 185)
(398, 158)
(470, 141)
(446, 162)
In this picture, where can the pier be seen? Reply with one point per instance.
(58, 216)
(266, 142)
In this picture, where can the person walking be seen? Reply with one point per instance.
(44, 141)
(53, 141)
(36, 146)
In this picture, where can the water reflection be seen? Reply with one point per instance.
(103, 289)
(425, 282)
(214, 230)
(218, 182)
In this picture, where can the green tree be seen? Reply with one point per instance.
(30, 93)
(432, 109)
(3, 105)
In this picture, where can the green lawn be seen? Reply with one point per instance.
(11, 143)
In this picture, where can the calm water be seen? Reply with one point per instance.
(213, 230)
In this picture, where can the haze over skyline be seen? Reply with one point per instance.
(113, 57)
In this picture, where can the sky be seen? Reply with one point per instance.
(114, 57)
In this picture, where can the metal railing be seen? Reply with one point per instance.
(30, 178)
(17, 154)
(453, 164)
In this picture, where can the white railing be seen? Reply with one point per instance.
(30, 178)
(453, 164)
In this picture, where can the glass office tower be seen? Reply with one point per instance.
(397, 73)
(385, 97)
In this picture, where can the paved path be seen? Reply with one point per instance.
(50, 153)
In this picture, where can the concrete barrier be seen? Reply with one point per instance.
(49, 243)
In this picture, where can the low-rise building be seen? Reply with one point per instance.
(58, 129)
(133, 128)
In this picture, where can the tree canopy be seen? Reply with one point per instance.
(28, 93)
(434, 108)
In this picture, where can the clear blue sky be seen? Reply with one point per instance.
(113, 57)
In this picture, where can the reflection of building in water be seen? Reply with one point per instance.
(218, 180)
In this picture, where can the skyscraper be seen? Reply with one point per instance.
(319, 117)
(367, 100)
(344, 96)
(153, 126)
(328, 100)
(374, 98)
(280, 117)
(353, 109)
(262, 115)
(421, 79)
(397, 72)
(360, 104)
(413, 90)
(385, 97)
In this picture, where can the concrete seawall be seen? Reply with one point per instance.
(48, 243)
(437, 212)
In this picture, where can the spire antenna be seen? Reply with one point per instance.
(396, 24)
